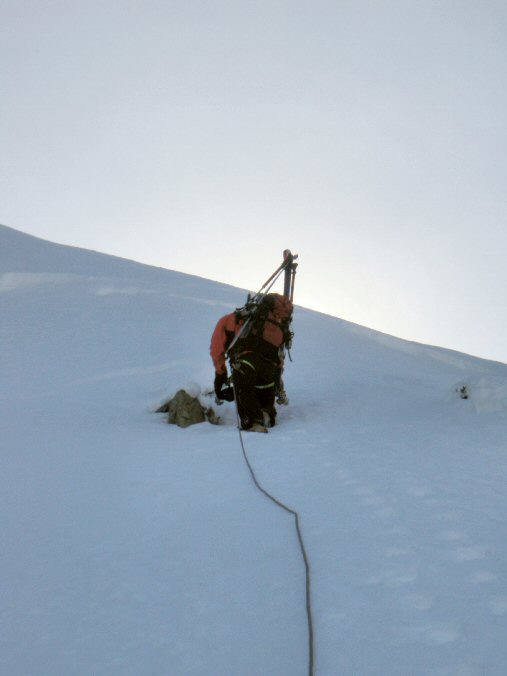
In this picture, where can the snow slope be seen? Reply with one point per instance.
(130, 547)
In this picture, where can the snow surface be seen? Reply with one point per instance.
(131, 547)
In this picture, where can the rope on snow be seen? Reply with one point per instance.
(301, 546)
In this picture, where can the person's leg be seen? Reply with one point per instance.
(266, 400)
(266, 389)
(244, 377)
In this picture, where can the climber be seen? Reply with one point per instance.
(254, 343)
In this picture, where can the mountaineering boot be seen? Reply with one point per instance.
(269, 417)
(267, 421)
(281, 397)
(257, 427)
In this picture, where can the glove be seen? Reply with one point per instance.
(220, 381)
(225, 393)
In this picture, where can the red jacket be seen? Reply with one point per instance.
(266, 343)
(222, 337)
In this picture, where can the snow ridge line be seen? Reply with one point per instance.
(302, 548)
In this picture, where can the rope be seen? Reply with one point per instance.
(301, 546)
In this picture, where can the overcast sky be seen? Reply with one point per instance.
(207, 136)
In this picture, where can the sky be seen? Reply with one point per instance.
(367, 136)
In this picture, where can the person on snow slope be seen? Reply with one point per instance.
(256, 359)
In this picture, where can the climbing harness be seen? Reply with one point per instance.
(265, 387)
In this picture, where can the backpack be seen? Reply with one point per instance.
(269, 327)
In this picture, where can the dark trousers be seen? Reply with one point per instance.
(254, 388)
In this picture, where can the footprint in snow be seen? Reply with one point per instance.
(452, 535)
(385, 513)
(391, 552)
(436, 634)
(463, 554)
(449, 516)
(395, 530)
(368, 496)
(420, 601)
(499, 606)
(458, 670)
(483, 577)
(363, 491)
(373, 501)
(418, 491)
(393, 578)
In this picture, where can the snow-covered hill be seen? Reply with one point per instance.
(130, 547)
